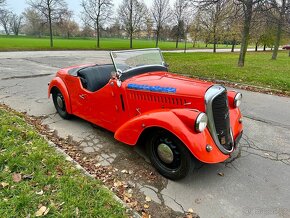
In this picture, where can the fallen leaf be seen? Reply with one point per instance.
(16, 177)
(145, 215)
(267, 154)
(5, 199)
(46, 212)
(128, 195)
(146, 206)
(124, 171)
(133, 204)
(4, 184)
(40, 192)
(27, 177)
(190, 210)
(221, 174)
(6, 169)
(118, 183)
(148, 199)
(77, 211)
(43, 210)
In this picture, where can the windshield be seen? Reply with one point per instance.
(126, 60)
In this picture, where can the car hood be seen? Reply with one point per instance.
(175, 84)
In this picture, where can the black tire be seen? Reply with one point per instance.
(60, 107)
(182, 162)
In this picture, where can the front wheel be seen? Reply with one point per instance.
(59, 104)
(169, 155)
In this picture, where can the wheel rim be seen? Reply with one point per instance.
(167, 153)
(60, 102)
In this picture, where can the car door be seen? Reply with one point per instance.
(105, 106)
(80, 97)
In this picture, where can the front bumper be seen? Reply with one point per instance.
(238, 138)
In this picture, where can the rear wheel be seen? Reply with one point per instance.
(59, 104)
(169, 155)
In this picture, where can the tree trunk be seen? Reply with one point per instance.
(6, 30)
(256, 47)
(233, 45)
(214, 43)
(131, 24)
(279, 30)
(157, 38)
(248, 10)
(264, 49)
(185, 43)
(131, 39)
(50, 27)
(194, 41)
(98, 35)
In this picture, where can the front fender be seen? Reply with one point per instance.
(58, 83)
(179, 122)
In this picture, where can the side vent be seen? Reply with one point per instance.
(163, 99)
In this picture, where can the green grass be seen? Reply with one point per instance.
(20, 43)
(259, 69)
(66, 191)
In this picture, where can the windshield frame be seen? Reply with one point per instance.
(136, 67)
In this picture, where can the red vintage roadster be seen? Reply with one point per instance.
(178, 119)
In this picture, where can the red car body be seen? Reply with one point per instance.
(286, 47)
(155, 99)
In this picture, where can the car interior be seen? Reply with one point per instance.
(96, 77)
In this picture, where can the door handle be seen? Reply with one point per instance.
(83, 96)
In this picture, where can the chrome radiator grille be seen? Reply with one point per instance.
(221, 117)
(217, 110)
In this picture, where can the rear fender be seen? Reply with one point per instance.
(179, 122)
(58, 83)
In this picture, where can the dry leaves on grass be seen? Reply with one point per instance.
(43, 210)
(4, 184)
(16, 177)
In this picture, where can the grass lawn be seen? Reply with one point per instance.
(259, 69)
(35, 179)
(27, 43)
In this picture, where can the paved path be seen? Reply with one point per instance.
(255, 181)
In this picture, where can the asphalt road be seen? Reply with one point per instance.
(254, 182)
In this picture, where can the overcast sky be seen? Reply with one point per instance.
(18, 6)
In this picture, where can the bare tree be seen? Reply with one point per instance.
(5, 17)
(51, 10)
(249, 7)
(161, 12)
(97, 13)
(2, 3)
(132, 14)
(33, 22)
(215, 15)
(15, 23)
(281, 7)
(179, 11)
(149, 25)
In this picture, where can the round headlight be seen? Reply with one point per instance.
(201, 122)
(238, 99)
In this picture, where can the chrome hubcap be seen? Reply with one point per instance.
(165, 153)
(59, 102)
